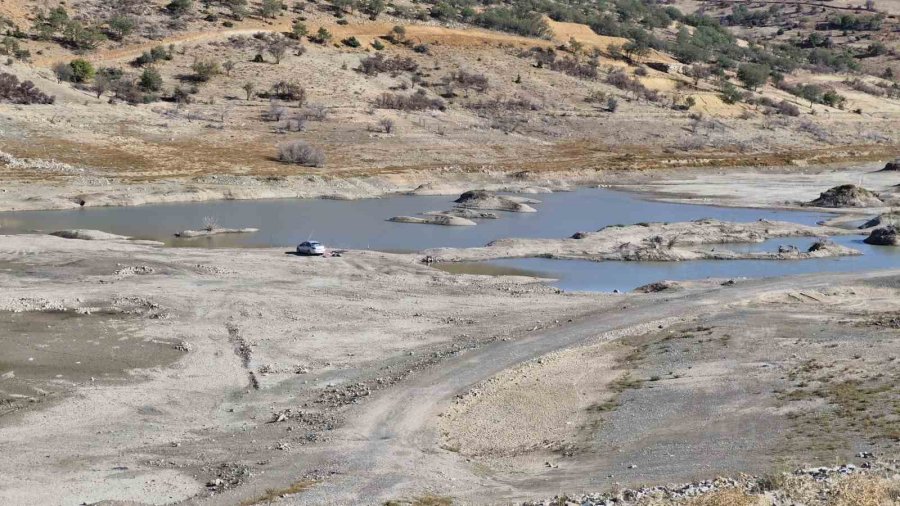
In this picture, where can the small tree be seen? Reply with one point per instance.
(82, 70)
(238, 8)
(248, 88)
(101, 84)
(120, 26)
(753, 75)
(299, 30)
(150, 80)
(278, 48)
(387, 125)
(270, 8)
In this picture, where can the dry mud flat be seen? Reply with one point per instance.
(351, 379)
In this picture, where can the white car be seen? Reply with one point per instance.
(310, 248)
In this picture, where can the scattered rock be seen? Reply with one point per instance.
(189, 234)
(659, 286)
(885, 236)
(847, 195)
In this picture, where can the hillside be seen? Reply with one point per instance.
(217, 90)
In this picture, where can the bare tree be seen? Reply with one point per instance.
(248, 88)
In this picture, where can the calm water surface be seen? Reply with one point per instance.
(362, 224)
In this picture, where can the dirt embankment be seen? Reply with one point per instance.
(658, 242)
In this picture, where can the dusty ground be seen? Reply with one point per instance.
(372, 376)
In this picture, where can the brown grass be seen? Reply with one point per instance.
(728, 497)
(273, 494)
(865, 491)
(425, 500)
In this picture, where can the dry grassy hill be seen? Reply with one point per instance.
(527, 110)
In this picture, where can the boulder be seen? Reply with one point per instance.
(847, 195)
(892, 166)
(885, 236)
(884, 219)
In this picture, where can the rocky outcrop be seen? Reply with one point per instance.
(884, 219)
(892, 166)
(441, 219)
(847, 195)
(88, 235)
(469, 214)
(885, 236)
(482, 199)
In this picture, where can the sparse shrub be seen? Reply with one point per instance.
(276, 112)
(612, 104)
(469, 81)
(299, 30)
(641, 71)
(179, 8)
(156, 54)
(421, 48)
(730, 94)
(387, 125)
(418, 101)
(24, 93)
(289, 90)
(515, 20)
(787, 109)
(322, 36)
(314, 112)
(377, 45)
(373, 65)
(204, 70)
(629, 84)
(63, 72)
(351, 42)
(301, 153)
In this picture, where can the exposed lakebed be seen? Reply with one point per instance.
(363, 224)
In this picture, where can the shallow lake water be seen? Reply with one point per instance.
(362, 224)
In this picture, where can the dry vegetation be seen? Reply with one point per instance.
(610, 87)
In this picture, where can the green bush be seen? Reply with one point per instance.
(151, 80)
(82, 70)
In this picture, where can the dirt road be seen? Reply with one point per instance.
(390, 447)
